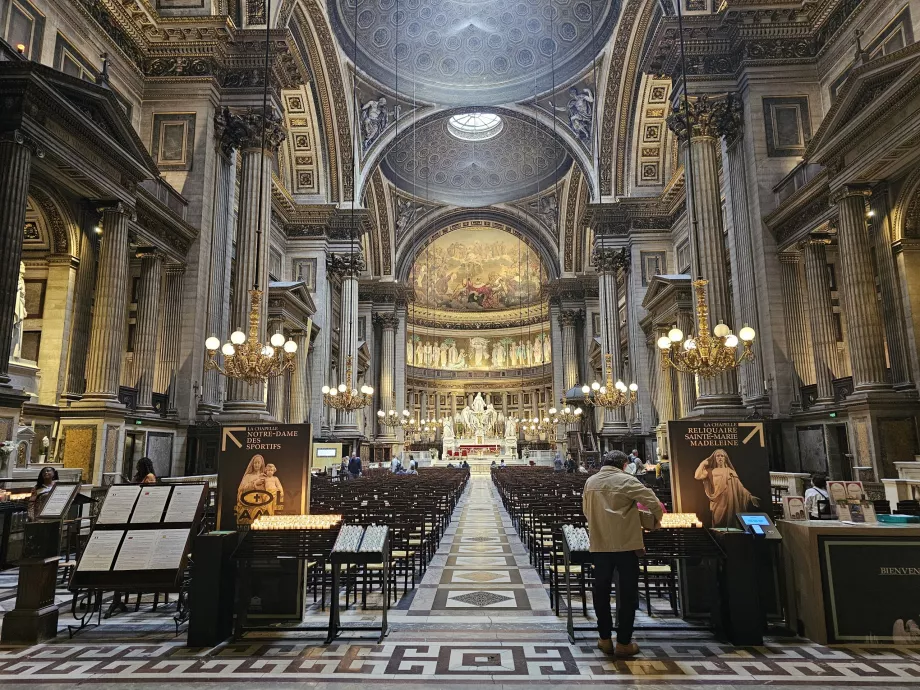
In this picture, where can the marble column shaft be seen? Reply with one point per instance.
(83, 314)
(16, 164)
(221, 251)
(608, 262)
(864, 323)
(243, 396)
(821, 313)
(168, 357)
(686, 382)
(569, 319)
(710, 255)
(299, 378)
(107, 338)
(145, 345)
(744, 276)
(388, 324)
(892, 304)
(346, 422)
(794, 318)
(275, 393)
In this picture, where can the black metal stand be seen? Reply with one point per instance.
(581, 558)
(339, 559)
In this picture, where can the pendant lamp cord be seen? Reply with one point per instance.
(265, 80)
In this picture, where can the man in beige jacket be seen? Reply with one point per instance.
(609, 503)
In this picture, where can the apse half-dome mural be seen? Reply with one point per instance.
(477, 268)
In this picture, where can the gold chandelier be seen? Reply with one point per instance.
(347, 399)
(708, 354)
(246, 358)
(393, 419)
(611, 394)
(566, 414)
(541, 426)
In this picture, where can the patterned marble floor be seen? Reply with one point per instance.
(481, 616)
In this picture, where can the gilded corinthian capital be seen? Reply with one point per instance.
(708, 116)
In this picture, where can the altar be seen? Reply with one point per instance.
(476, 432)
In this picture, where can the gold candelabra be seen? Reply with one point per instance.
(393, 419)
(611, 394)
(566, 414)
(708, 354)
(246, 358)
(342, 397)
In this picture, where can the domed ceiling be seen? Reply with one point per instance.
(432, 162)
(477, 269)
(479, 52)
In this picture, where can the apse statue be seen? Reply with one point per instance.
(405, 212)
(581, 112)
(481, 354)
(510, 428)
(19, 313)
(448, 430)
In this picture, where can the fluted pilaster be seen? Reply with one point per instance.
(864, 323)
(794, 318)
(346, 422)
(145, 338)
(299, 378)
(107, 338)
(275, 395)
(608, 263)
(388, 323)
(686, 382)
(83, 313)
(569, 319)
(170, 327)
(821, 312)
(892, 304)
(16, 164)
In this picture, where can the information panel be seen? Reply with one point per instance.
(118, 504)
(150, 504)
(100, 550)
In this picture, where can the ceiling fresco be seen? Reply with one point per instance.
(521, 159)
(473, 52)
(477, 269)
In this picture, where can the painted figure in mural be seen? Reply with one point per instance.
(581, 112)
(724, 489)
(479, 351)
(409, 352)
(547, 349)
(461, 359)
(374, 118)
(442, 355)
(19, 313)
(498, 355)
(452, 354)
(419, 353)
(537, 351)
(513, 353)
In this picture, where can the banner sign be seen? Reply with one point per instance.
(718, 469)
(263, 469)
(871, 588)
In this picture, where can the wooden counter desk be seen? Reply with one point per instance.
(849, 583)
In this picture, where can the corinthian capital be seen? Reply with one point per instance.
(708, 117)
(610, 260)
(386, 320)
(570, 317)
(345, 265)
(243, 129)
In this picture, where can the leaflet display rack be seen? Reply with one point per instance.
(364, 546)
(140, 543)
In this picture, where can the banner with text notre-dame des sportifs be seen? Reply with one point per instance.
(264, 469)
(718, 469)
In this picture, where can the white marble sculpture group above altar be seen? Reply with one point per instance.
(480, 429)
(478, 352)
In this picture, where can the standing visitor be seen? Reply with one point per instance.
(557, 462)
(47, 478)
(609, 504)
(354, 466)
(817, 492)
(144, 472)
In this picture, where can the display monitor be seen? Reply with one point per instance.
(754, 519)
(326, 453)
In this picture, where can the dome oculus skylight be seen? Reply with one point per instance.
(475, 126)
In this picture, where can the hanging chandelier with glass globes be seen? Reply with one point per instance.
(393, 419)
(347, 399)
(707, 354)
(610, 395)
(246, 358)
(566, 414)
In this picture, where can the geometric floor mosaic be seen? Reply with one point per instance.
(479, 617)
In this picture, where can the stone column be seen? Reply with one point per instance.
(744, 277)
(388, 323)
(300, 378)
(253, 218)
(892, 304)
(347, 267)
(608, 263)
(228, 138)
(148, 306)
(864, 323)
(16, 163)
(83, 312)
(569, 319)
(107, 338)
(821, 313)
(275, 393)
(168, 349)
(794, 318)
(686, 382)
(708, 243)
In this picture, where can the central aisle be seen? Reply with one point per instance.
(481, 573)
